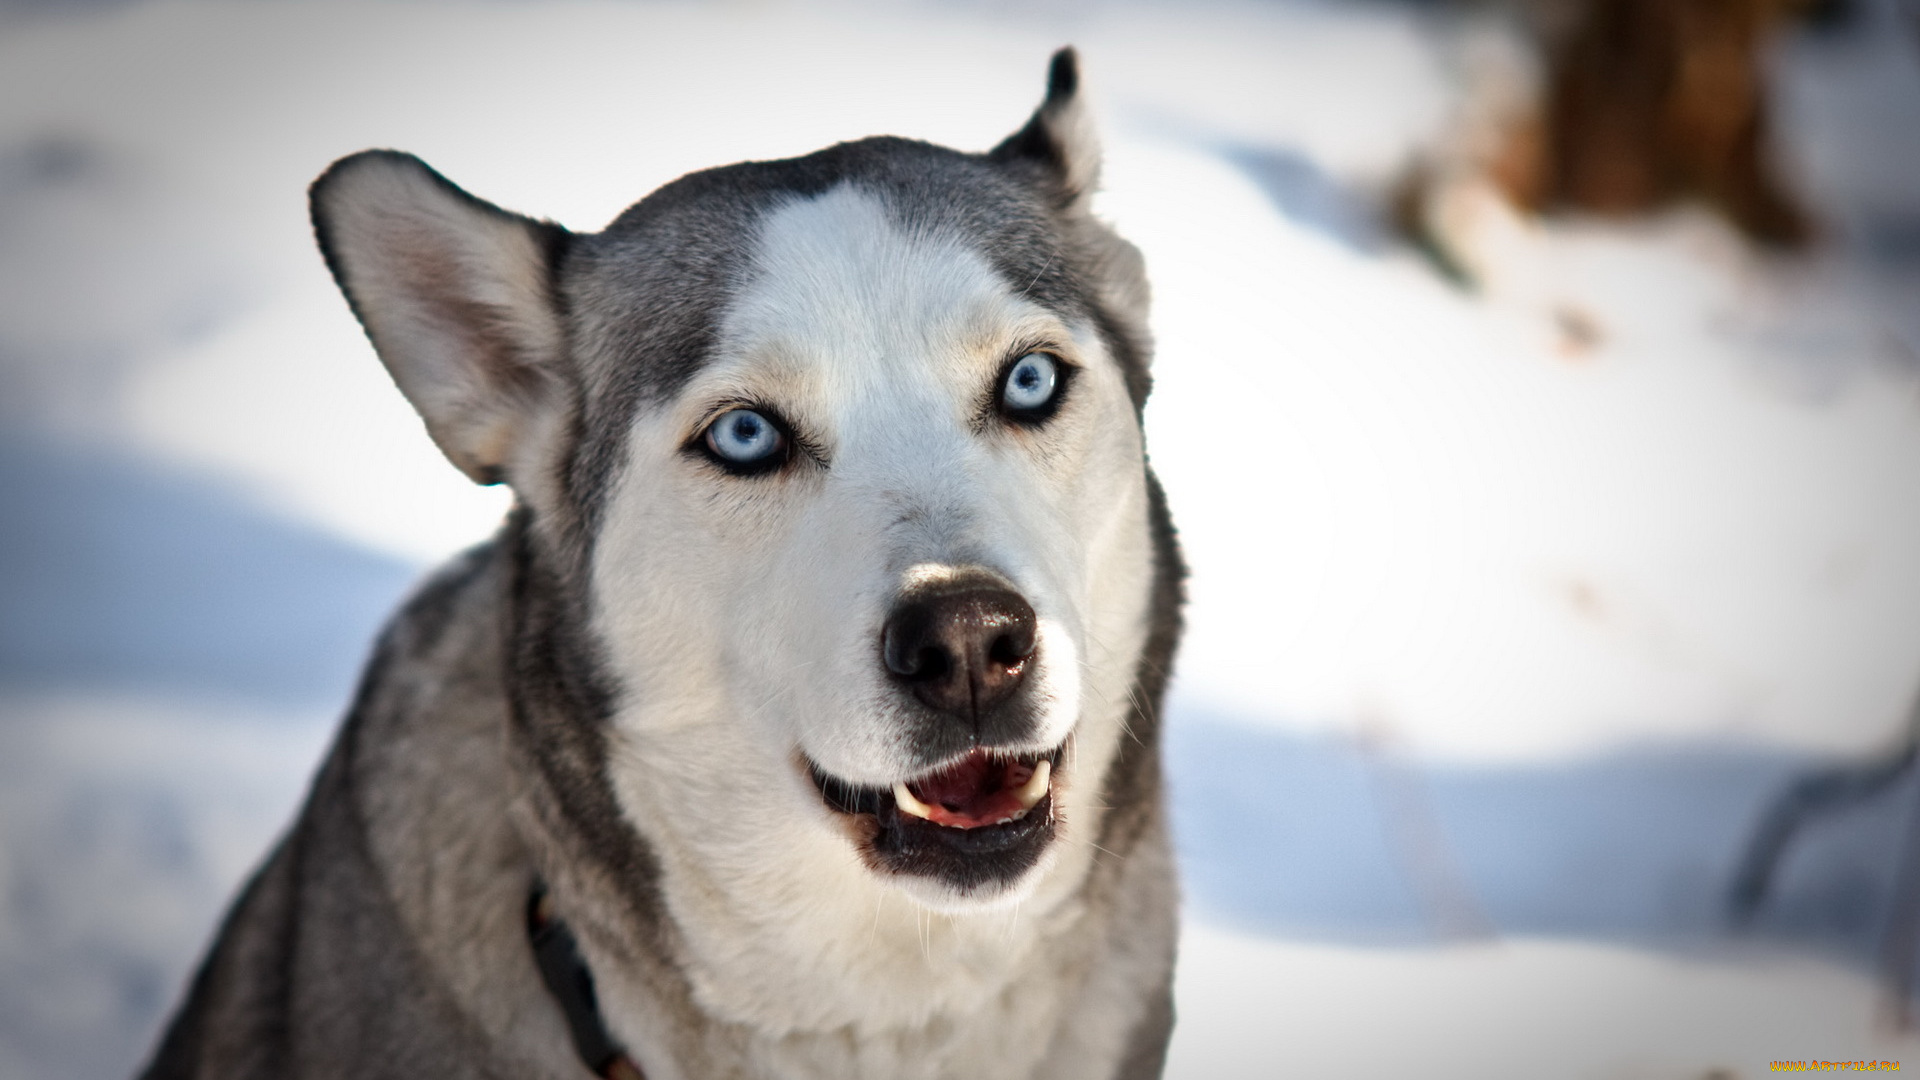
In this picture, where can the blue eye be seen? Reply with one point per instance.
(1031, 384)
(745, 440)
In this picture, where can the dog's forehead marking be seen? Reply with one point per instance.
(844, 300)
(645, 295)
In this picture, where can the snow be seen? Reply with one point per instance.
(1545, 1010)
(1602, 551)
(126, 824)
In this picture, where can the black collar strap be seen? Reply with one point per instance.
(571, 984)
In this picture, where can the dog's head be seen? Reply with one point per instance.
(844, 453)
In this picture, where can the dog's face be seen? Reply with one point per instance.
(886, 553)
(848, 450)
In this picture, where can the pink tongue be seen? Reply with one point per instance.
(977, 790)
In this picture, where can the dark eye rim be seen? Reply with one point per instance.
(700, 447)
(1063, 373)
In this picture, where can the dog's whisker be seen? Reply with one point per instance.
(1038, 274)
(1011, 938)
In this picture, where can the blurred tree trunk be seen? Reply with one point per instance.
(1649, 102)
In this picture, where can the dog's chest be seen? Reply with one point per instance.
(1016, 1034)
(1004, 1001)
(1007, 1037)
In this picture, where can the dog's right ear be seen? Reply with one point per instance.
(457, 296)
(1059, 140)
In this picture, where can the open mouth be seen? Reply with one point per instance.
(977, 791)
(979, 821)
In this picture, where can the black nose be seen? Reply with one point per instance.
(961, 652)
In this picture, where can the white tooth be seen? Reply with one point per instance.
(1036, 785)
(905, 800)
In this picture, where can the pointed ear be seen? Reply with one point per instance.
(1060, 139)
(456, 294)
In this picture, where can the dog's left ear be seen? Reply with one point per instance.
(1060, 139)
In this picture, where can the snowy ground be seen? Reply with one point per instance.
(1499, 642)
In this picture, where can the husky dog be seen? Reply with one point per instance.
(801, 721)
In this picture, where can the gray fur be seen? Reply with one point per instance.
(384, 936)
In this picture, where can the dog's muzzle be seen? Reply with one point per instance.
(981, 811)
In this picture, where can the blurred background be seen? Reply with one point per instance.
(1538, 395)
